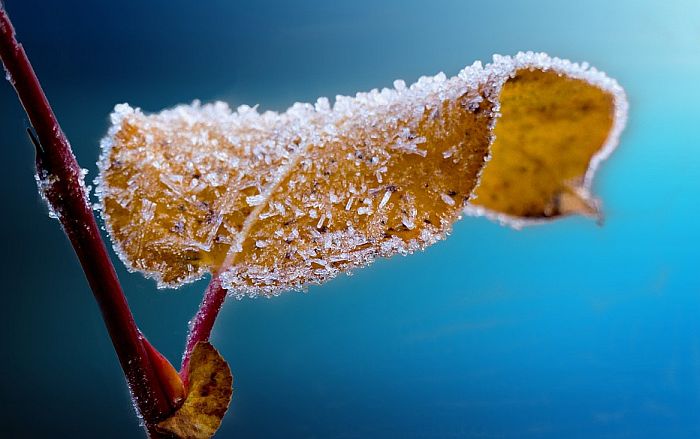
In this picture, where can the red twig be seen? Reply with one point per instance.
(203, 322)
(61, 181)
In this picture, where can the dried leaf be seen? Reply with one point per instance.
(208, 397)
(276, 201)
(552, 132)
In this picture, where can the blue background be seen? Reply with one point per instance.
(564, 331)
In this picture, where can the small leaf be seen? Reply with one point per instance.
(208, 397)
(273, 202)
(168, 378)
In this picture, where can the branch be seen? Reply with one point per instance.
(61, 182)
(203, 322)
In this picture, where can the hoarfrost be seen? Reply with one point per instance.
(348, 205)
(385, 199)
(45, 182)
(255, 200)
(447, 199)
(148, 210)
(320, 222)
(449, 153)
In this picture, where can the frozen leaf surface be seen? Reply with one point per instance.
(208, 396)
(273, 201)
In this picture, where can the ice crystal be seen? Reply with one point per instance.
(45, 183)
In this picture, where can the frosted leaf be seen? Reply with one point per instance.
(208, 398)
(557, 124)
(275, 201)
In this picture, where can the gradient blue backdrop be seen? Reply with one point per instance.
(564, 331)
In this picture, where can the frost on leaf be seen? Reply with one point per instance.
(208, 396)
(273, 201)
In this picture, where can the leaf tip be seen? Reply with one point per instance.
(578, 201)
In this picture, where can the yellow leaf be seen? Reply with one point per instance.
(551, 129)
(208, 397)
(273, 201)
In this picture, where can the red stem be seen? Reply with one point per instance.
(66, 196)
(203, 322)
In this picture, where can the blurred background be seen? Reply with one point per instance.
(566, 331)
